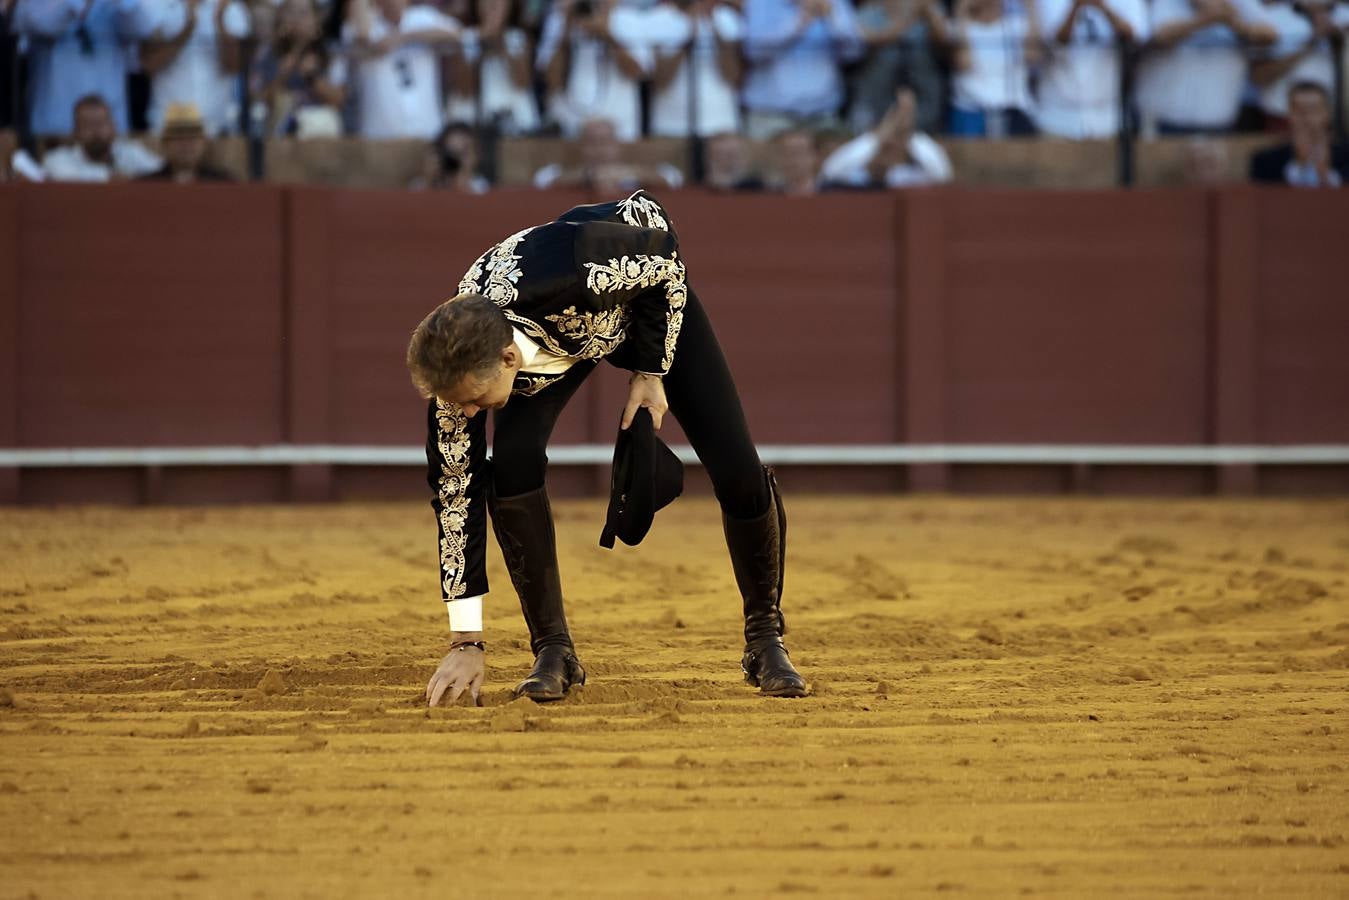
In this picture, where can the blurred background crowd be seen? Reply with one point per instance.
(795, 96)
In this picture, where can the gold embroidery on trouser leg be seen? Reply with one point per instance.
(643, 271)
(453, 440)
(529, 385)
(642, 212)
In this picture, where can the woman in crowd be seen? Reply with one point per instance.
(695, 79)
(492, 78)
(594, 56)
(300, 82)
(452, 163)
(993, 49)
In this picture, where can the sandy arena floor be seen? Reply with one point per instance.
(1045, 697)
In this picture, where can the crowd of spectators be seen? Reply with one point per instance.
(869, 81)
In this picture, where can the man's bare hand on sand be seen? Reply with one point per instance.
(462, 669)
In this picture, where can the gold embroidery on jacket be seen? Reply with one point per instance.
(469, 283)
(534, 330)
(643, 271)
(674, 320)
(503, 271)
(598, 332)
(453, 440)
(639, 205)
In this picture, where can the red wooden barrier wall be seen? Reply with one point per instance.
(153, 315)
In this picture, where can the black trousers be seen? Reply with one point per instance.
(702, 398)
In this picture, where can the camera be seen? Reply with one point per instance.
(450, 163)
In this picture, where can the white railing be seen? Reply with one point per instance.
(772, 454)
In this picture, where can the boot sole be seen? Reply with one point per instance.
(780, 692)
(786, 692)
(547, 697)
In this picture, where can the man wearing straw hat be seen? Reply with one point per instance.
(183, 144)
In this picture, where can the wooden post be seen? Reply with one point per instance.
(922, 340)
(307, 333)
(1234, 228)
(10, 210)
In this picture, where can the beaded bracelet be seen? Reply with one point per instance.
(460, 645)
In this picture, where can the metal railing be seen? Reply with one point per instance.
(771, 454)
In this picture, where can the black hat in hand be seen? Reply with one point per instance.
(646, 477)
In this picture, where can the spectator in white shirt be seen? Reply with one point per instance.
(397, 71)
(494, 77)
(97, 153)
(594, 56)
(1301, 52)
(695, 43)
(603, 168)
(893, 155)
(194, 57)
(795, 50)
(1193, 78)
(1079, 87)
(994, 47)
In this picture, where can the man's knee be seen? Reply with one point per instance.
(746, 496)
(518, 469)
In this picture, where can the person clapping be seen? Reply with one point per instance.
(892, 155)
(1309, 159)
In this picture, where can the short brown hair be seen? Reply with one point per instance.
(462, 336)
(1307, 86)
(90, 100)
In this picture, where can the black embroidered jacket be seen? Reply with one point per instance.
(579, 286)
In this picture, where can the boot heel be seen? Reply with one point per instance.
(746, 662)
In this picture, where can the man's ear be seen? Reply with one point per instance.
(510, 356)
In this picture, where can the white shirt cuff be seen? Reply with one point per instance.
(465, 613)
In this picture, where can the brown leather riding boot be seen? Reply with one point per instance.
(758, 556)
(524, 529)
